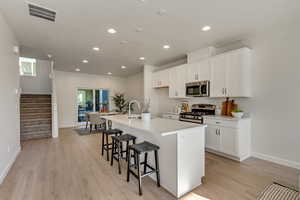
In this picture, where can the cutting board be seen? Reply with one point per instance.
(227, 107)
(230, 107)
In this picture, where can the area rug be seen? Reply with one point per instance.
(276, 191)
(83, 131)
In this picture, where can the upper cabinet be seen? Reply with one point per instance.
(199, 71)
(231, 74)
(177, 77)
(160, 79)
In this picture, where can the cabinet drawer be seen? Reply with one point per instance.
(224, 123)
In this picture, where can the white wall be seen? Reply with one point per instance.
(9, 101)
(275, 106)
(66, 87)
(39, 84)
(135, 87)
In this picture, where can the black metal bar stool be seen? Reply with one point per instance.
(117, 148)
(106, 146)
(138, 149)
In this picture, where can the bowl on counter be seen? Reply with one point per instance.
(237, 114)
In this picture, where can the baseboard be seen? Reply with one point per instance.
(9, 164)
(277, 160)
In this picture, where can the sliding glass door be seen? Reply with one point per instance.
(91, 100)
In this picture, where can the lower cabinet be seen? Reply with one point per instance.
(230, 138)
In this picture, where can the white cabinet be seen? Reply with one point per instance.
(231, 74)
(212, 139)
(229, 138)
(199, 71)
(160, 79)
(177, 80)
(218, 72)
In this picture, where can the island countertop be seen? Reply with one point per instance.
(156, 125)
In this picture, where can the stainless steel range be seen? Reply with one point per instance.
(197, 113)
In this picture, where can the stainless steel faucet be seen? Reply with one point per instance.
(129, 108)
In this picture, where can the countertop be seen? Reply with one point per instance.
(219, 117)
(156, 125)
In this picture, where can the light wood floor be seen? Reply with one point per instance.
(71, 168)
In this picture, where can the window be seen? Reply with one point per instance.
(27, 66)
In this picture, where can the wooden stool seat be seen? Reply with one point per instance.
(117, 148)
(138, 149)
(106, 146)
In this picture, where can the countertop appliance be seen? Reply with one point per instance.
(197, 113)
(198, 89)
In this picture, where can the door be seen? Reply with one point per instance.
(229, 141)
(238, 73)
(218, 72)
(181, 80)
(204, 70)
(212, 139)
(85, 103)
(192, 73)
(101, 100)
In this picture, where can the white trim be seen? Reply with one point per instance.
(10, 164)
(277, 160)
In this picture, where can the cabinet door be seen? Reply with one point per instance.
(172, 83)
(192, 72)
(218, 72)
(229, 141)
(204, 70)
(212, 139)
(238, 74)
(181, 80)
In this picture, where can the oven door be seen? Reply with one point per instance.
(192, 90)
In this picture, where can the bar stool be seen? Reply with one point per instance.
(138, 149)
(117, 148)
(106, 146)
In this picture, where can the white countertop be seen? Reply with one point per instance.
(156, 125)
(219, 117)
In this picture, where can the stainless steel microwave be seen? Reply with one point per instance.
(198, 89)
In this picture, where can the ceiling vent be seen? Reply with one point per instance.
(41, 12)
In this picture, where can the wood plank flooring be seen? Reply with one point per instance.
(71, 168)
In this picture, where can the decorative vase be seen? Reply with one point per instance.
(146, 116)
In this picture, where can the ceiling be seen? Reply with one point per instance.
(81, 25)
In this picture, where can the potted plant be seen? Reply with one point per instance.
(237, 113)
(120, 102)
(146, 115)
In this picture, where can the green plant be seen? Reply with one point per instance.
(237, 111)
(120, 102)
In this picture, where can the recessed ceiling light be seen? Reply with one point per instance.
(49, 56)
(123, 67)
(206, 28)
(85, 61)
(109, 73)
(142, 58)
(111, 30)
(77, 70)
(96, 48)
(161, 12)
(138, 29)
(166, 46)
(124, 42)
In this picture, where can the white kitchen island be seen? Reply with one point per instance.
(181, 154)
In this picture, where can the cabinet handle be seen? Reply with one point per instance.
(222, 90)
(225, 91)
(219, 132)
(216, 131)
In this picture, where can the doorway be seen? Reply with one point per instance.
(91, 100)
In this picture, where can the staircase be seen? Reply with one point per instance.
(36, 116)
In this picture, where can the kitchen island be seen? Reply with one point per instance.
(181, 154)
